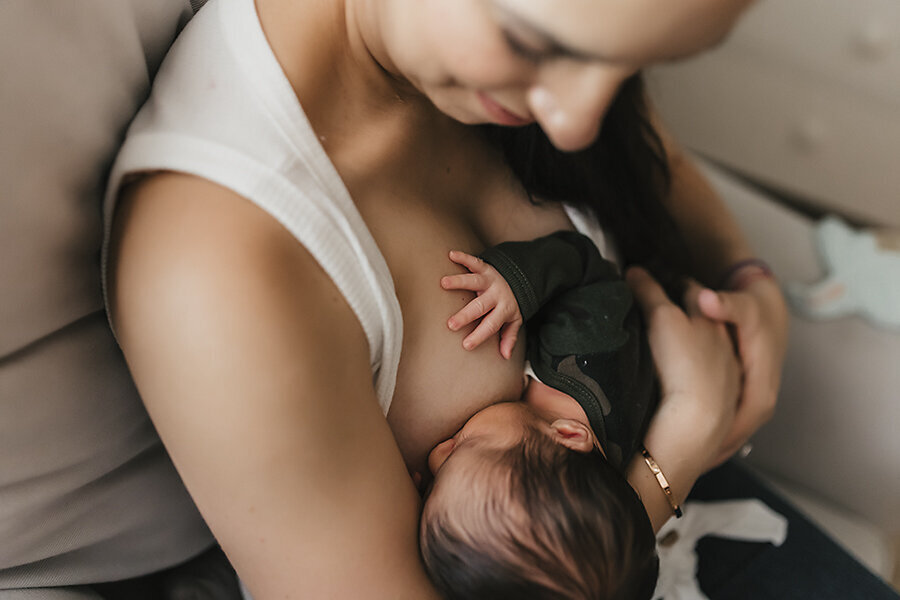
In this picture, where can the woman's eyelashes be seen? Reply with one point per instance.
(527, 50)
(536, 51)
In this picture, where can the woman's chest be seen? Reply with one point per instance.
(439, 384)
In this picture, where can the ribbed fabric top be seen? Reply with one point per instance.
(222, 109)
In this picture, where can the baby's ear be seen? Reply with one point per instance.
(574, 435)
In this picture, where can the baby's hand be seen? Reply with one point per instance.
(495, 303)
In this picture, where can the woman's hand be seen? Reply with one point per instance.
(757, 311)
(760, 319)
(700, 381)
(495, 304)
(699, 373)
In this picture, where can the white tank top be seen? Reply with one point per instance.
(222, 109)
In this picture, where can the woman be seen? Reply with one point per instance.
(267, 364)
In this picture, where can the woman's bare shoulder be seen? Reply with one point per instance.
(256, 373)
(180, 239)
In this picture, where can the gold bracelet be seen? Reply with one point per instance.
(663, 482)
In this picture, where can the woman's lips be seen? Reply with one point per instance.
(500, 115)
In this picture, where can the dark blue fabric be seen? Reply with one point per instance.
(808, 565)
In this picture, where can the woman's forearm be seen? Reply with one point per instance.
(682, 459)
(699, 382)
(713, 237)
(753, 307)
(647, 487)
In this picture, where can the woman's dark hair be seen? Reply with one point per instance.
(543, 523)
(621, 178)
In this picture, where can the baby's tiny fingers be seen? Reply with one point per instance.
(472, 263)
(463, 281)
(487, 328)
(508, 336)
(471, 311)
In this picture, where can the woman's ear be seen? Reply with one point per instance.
(574, 435)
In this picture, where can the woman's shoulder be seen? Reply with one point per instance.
(257, 376)
(184, 239)
(200, 276)
(169, 212)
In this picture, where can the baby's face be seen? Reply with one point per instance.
(464, 465)
(467, 469)
(493, 428)
(500, 426)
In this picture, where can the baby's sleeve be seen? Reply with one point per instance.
(541, 270)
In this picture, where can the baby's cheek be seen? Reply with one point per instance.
(440, 454)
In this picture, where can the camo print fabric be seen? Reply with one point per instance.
(586, 336)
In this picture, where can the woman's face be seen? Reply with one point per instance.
(557, 62)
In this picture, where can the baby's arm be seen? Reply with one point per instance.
(495, 303)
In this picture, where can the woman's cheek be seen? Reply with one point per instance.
(469, 48)
(487, 68)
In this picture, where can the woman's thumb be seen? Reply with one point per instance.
(715, 305)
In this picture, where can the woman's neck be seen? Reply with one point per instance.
(367, 117)
(366, 27)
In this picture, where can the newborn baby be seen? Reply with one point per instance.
(529, 498)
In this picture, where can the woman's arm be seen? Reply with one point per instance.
(713, 238)
(256, 373)
(757, 310)
(699, 378)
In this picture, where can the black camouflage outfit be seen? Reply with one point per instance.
(586, 335)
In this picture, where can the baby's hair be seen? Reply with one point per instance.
(545, 523)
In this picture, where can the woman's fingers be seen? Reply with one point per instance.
(688, 348)
(646, 290)
(760, 319)
(732, 307)
(691, 298)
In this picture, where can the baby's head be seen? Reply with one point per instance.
(525, 508)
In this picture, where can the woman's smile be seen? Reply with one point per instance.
(500, 115)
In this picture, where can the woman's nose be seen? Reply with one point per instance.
(570, 102)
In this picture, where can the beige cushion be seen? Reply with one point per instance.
(73, 74)
(86, 491)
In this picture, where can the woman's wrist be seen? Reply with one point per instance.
(680, 473)
(741, 274)
(682, 458)
(663, 482)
